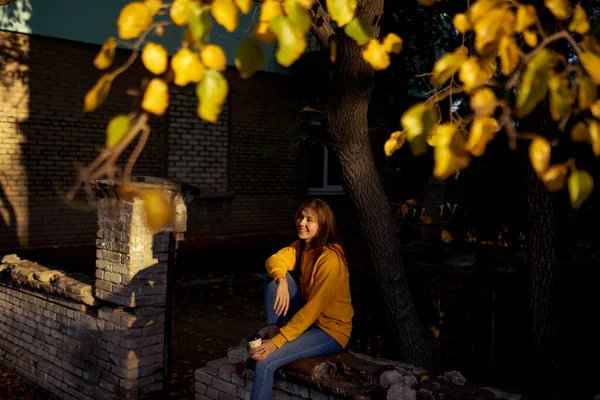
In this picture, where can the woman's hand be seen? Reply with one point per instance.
(263, 351)
(282, 298)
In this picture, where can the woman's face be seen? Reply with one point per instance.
(307, 225)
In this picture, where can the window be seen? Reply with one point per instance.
(324, 173)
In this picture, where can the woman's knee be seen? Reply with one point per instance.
(265, 367)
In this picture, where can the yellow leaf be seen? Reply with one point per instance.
(134, 19)
(159, 210)
(531, 38)
(392, 43)
(412, 202)
(156, 97)
(561, 97)
(590, 44)
(297, 14)
(153, 5)
(155, 58)
(509, 54)
(395, 142)
(212, 93)
(498, 23)
(359, 30)
(106, 55)
(540, 152)
(333, 50)
(341, 11)
(533, 85)
(424, 378)
(461, 23)
(117, 129)
(483, 129)
(580, 133)
(447, 238)
(427, 2)
(418, 121)
(268, 11)
(581, 185)
(213, 57)
(591, 63)
(526, 17)
(481, 8)
(291, 40)
(595, 136)
(475, 72)
(225, 13)
(587, 91)
(249, 57)
(483, 102)
(448, 65)
(376, 55)
(426, 219)
(579, 23)
(560, 8)
(180, 11)
(449, 153)
(244, 5)
(96, 96)
(187, 67)
(200, 25)
(595, 109)
(555, 177)
(306, 3)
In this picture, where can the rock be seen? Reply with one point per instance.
(238, 354)
(10, 258)
(499, 394)
(455, 378)
(425, 394)
(410, 381)
(389, 378)
(400, 392)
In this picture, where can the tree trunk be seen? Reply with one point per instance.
(543, 268)
(350, 89)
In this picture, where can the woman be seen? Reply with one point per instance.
(322, 310)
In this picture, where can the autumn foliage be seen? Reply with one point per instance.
(505, 50)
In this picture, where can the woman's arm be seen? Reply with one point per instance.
(282, 261)
(330, 275)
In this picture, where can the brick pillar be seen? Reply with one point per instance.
(131, 277)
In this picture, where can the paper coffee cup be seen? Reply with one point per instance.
(254, 341)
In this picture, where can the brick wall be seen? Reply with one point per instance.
(43, 132)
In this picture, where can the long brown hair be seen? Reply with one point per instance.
(327, 235)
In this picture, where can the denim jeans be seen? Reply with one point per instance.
(313, 342)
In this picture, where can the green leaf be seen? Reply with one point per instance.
(212, 93)
(531, 91)
(418, 121)
(581, 185)
(298, 15)
(292, 40)
(249, 57)
(116, 130)
(359, 30)
(200, 25)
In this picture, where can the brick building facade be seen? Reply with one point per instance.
(44, 132)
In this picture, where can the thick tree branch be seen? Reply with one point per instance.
(321, 25)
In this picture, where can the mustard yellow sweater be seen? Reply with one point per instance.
(327, 289)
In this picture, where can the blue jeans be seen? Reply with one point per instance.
(313, 342)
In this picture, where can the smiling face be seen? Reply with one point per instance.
(307, 224)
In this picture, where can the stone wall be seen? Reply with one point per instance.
(43, 132)
(346, 375)
(103, 339)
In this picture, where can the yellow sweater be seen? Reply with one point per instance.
(327, 290)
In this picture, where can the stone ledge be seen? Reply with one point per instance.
(346, 375)
(26, 273)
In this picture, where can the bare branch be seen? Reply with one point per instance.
(321, 25)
